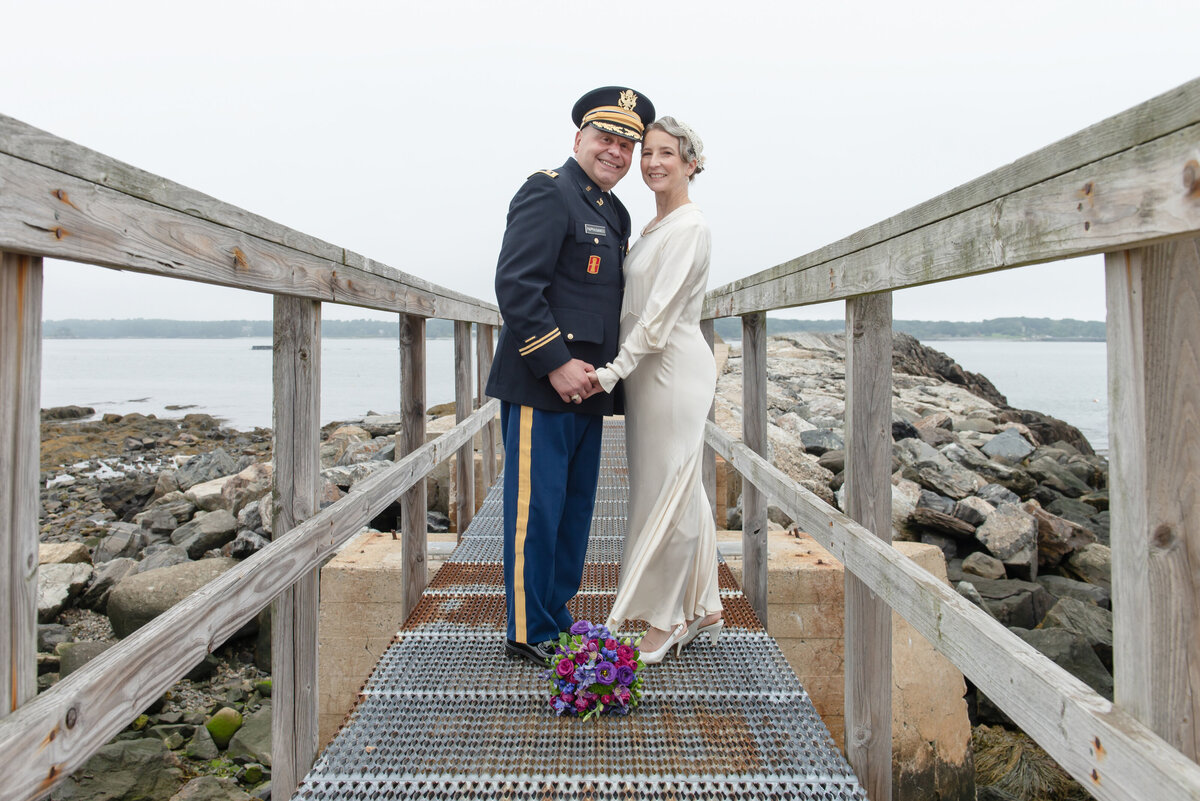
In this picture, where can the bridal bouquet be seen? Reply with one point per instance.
(592, 672)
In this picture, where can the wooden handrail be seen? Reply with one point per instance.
(1107, 750)
(1114, 185)
(48, 738)
(62, 200)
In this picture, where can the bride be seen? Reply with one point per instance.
(669, 566)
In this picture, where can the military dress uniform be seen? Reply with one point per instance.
(558, 284)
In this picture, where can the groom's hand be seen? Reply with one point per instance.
(571, 381)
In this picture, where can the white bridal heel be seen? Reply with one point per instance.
(713, 630)
(673, 641)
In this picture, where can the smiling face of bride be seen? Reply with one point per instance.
(663, 167)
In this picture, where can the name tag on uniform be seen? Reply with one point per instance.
(593, 264)
(595, 230)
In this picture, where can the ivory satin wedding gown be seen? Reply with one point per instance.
(669, 565)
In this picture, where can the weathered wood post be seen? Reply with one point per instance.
(20, 440)
(709, 460)
(296, 369)
(463, 395)
(868, 619)
(485, 348)
(1154, 472)
(754, 434)
(413, 504)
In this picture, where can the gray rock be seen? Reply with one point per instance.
(138, 599)
(126, 496)
(944, 477)
(205, 531)
(347, 476)
(74, 655)
(1008, 446)
(1010, 535)
(247, 543)
(158, 520)
(1057, 477)
(984, 566)
(833, 460)
(902, 429)
(912, 451)
(125, 539)
(1063, 587)
(1072, 653)
(201, 746)
(932, 521)
(1014, 602)
(973, 510)
(947, 545)
(967, 590)
(57, 585)
(819, 440)
(165, 483)
(1087, 620)
(106, 576)
(382, 425)
(980, 424)
(250, 517)
(253, 739)
(995, 494)
(161, 556)
(205, 467)
(50, 635)
(142, 769)
(211, 788)
(247, 486)
(176, 503)
(938, 503)
(1093, 564)
(1071, 509)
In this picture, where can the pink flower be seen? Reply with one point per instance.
(581, 704)
(610, 643)
(591, 646)
(606, 698)
(625, 653)
(565, 668)
(568, 698)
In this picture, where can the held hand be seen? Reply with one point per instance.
(595, 379)
(571, 381)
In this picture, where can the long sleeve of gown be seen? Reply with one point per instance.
(682, 270)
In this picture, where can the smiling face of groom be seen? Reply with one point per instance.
(604, 156)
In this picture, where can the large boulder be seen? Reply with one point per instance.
(1008, 447)
(1057, 477)
(125, 540)
(1057, 537)
(105, 577)
(253, 739)
(211, 788)
(205, 467)
(157, 556)
(58, 584)
(247, 486)
(138, 599)
(1063, 587)
(1014, 602)
(1010, 535)
(126, 496)
(1093, 564)
(1087, 620)
(143, 769)
(209, 495)
(1072, 653)
(205, 531)
(62, 553)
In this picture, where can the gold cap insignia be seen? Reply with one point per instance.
(628, 100)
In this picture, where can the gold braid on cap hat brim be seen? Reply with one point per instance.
(613, 114)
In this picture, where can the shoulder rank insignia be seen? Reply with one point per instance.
(551, 173)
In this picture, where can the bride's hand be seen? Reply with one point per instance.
(595, 380)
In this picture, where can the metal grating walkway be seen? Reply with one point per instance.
(445, 714)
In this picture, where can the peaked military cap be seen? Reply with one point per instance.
(616, 109)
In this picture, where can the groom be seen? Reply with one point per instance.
(558, 284)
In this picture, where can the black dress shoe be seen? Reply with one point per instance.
(539, 653)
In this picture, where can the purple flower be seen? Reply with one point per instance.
(606, 672)
(625, 675)
(581, 627)
(623, 694)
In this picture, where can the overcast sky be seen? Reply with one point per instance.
(400, 131)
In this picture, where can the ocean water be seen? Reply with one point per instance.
(1065, 379)
(228, 379)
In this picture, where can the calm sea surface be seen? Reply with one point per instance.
(226, 378)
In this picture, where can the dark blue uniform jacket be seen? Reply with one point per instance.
(558, 284)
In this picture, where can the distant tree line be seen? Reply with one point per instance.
(999, 328)
(222, 329)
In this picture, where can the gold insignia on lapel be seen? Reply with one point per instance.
(600, 201)
(628, 100)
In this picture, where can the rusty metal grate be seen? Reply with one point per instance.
(446, 715)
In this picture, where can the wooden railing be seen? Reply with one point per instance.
(60, 200)
(1128, 187)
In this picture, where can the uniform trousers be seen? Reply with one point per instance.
(551, 466)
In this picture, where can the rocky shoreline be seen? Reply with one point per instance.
(138, 511)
